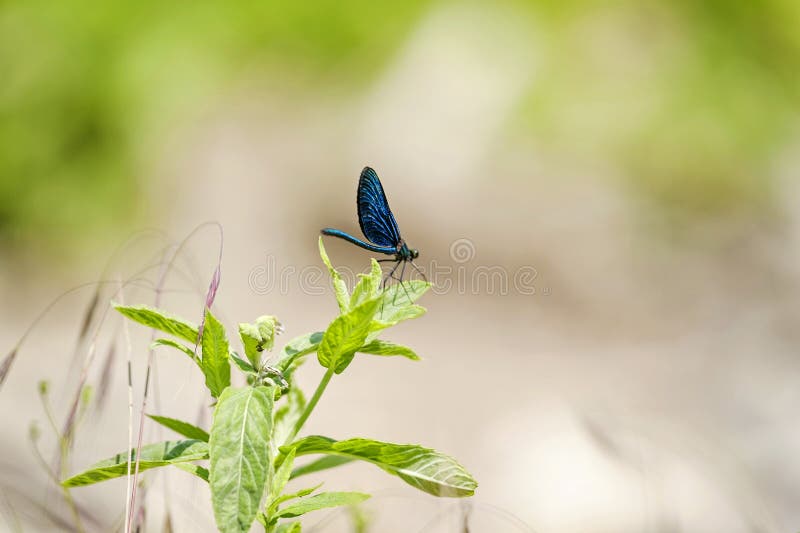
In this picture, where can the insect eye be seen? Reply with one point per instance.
(414, 254)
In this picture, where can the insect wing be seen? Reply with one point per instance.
(374, 216)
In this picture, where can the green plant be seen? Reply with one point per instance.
(252, 445)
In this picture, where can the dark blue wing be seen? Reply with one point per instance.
(374, 216)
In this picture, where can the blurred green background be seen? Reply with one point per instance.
(90, 93)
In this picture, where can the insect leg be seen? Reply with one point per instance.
(398, 278)
(390, 274)
(421, 273)
(386, 280)
(402, 272)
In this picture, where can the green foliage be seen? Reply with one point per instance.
(346, 335)
(273, 505)
(397, 303)
(304, 503)
(182, 428)
(215, 364)
(423, 468)
(379, 347)
(150, 456)
(251, 443)
(160, 320)
(320, 501)
(289, 527)
(287, 415)
(282, 474)
(195, 470)
(323, 463)
(368, 285)
(244, 365)
(339, 286)
(258, 337)
(239, 449)
(297, 348)
(172, 344)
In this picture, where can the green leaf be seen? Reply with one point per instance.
(398, 303)
(182, 428)
(323, 500)
(298, 347)
(423, 468)
(323, 463)
(273, 506)
(150, 456)
(380, 347)
(157, 319)
(397, 316)
(243, 364)
(239, 449)
(290, 527)
(286, 415)
(404, 293)
(367, 286)
(214, 363)
(339, 286)
(345, 335)
(282, 474)
(193, 469)
(258, 337)
(360, 520)
(172, 344)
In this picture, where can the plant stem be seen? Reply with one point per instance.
(63, 445)
(65, 490)
(310, 406)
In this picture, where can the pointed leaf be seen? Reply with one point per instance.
(297, 348)
(160, 320)
(286, 415)
(345, 335)
(193, 469)
(380, 347)
(339, 286)
(323, 463)
(150, 456)
(239, 449)
(273, 506)
(283, 473)
(172, 344)
(398, 303)
(367, 286)
(397, 316)
(323, 500)
(404, 293)
(423, 468)
(290, 527)
(215, 363)
(182, 428)
(243, 364)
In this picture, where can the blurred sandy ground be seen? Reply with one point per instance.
(648, 386)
